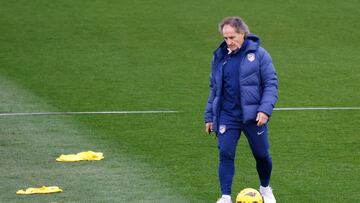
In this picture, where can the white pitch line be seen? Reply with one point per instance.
(83, 113)
(159, 112)
(316, 108)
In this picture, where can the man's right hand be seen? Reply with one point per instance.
(208, 127)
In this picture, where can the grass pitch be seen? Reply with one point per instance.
(150, 55)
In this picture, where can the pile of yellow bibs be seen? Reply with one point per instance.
(82, 156)
(40, 190)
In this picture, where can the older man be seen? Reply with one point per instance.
(243, 93)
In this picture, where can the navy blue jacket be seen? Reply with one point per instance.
(257, 80)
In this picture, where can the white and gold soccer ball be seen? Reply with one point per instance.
(249, 195)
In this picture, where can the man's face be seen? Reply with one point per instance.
(233, 39)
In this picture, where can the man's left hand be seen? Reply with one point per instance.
(261, 118)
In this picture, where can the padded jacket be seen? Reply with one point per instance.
(257, 80)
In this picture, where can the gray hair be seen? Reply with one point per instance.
(235, 22)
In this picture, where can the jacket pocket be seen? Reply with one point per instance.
(215, 105)
(251, 79)
(251, 95)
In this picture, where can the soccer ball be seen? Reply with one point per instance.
(249, 195)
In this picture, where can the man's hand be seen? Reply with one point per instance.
(208, 128)
(261, 118)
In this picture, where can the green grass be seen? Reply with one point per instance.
(150, 55)
(30, 145)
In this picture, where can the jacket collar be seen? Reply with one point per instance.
(251, 43)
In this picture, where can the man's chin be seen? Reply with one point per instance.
(234, 50)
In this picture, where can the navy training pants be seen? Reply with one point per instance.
(257, 137)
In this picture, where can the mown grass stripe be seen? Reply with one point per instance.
(30, 145)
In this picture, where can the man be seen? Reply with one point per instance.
(243, 93)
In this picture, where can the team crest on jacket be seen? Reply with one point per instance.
(251, 57)
(222, 129)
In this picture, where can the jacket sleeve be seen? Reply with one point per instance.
(269, 83)
(209, 111)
